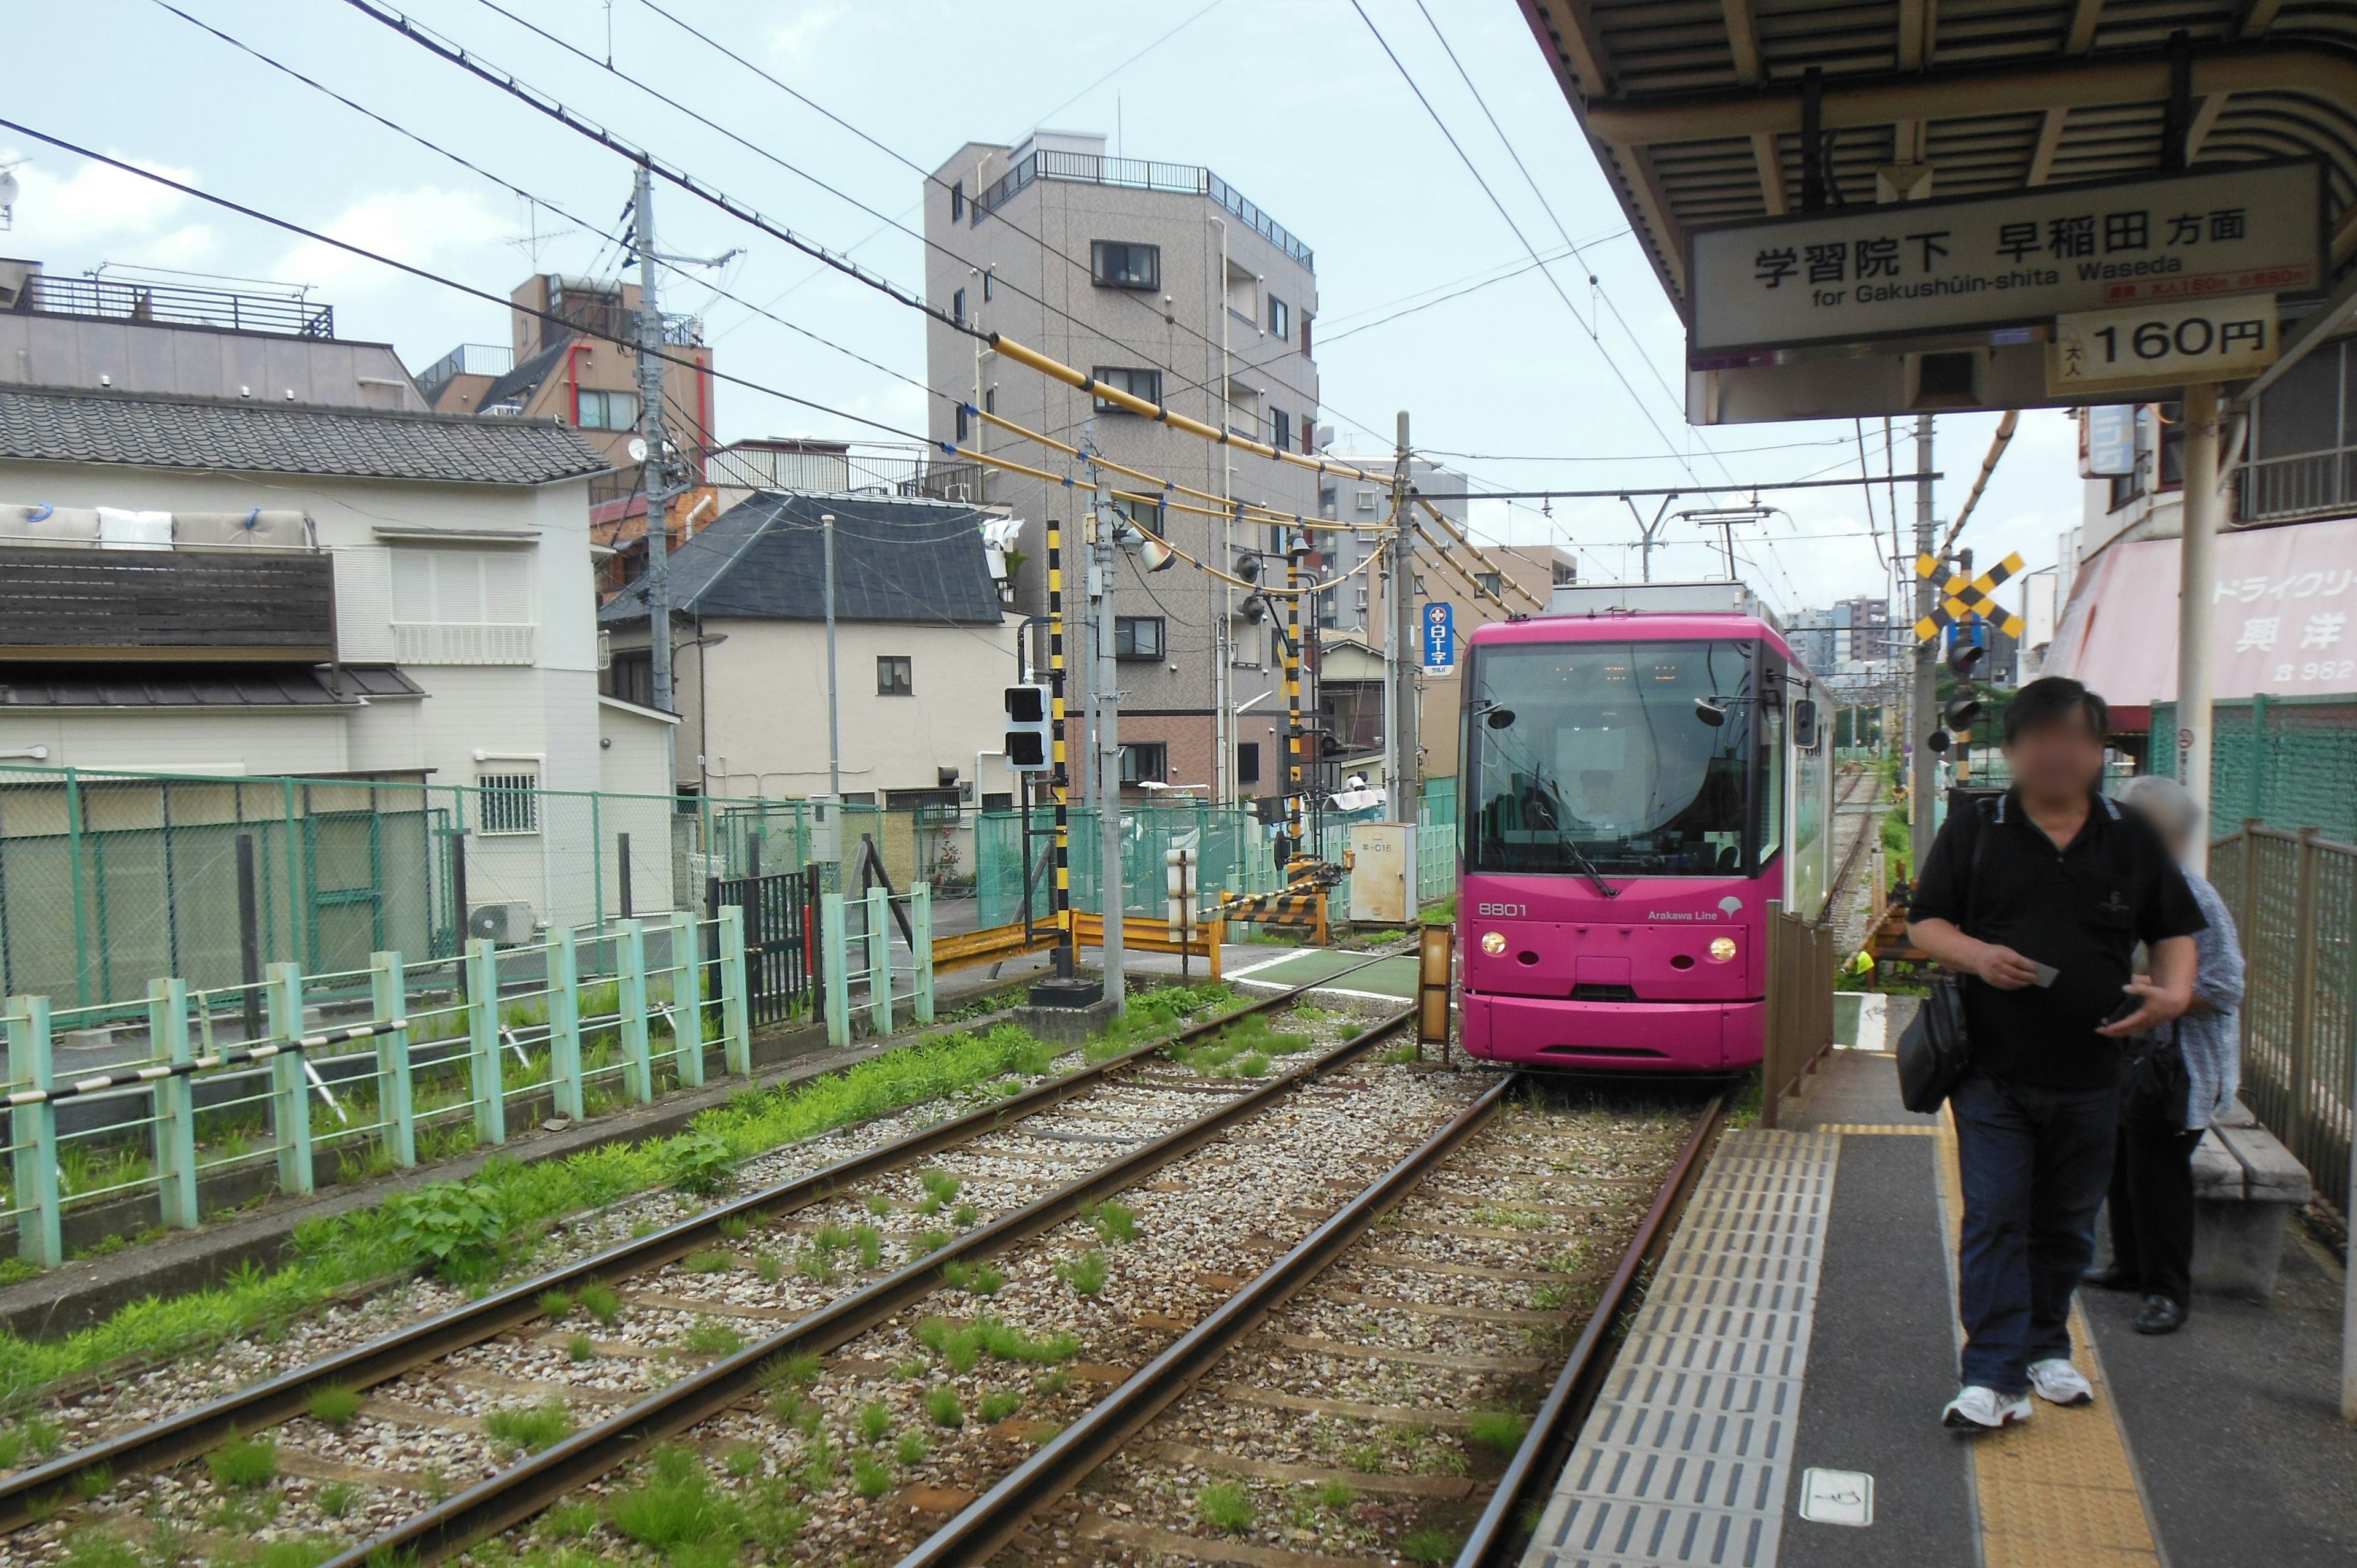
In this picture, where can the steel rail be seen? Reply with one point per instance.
(523, 1489)
(1497, 1537)
(1856, 843)
(992, 1519)
(177, 1438)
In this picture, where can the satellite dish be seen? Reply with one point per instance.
(638, 449)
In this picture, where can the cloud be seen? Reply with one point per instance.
(72, 207)
(791, 41)
(427, 227)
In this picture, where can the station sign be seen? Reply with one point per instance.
(1439, 638)
(2108, 440)
(2172, 343)
(2001, 268)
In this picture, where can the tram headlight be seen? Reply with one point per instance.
(1493, 943)
(1721, 948)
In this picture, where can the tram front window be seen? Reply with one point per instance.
(1630, 759)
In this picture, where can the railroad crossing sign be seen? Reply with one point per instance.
(1968, 598)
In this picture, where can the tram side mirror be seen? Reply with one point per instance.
(1709, 712)
(1499, 719)
(1804, 724)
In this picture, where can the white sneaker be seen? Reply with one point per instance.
(2059, 1383)
(1978, 1409)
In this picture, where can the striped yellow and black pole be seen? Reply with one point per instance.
(1292, 785)
(1060, 781)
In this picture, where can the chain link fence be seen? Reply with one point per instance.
(2291, 762)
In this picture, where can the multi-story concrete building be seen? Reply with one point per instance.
(1161, 279)
(1345, 607)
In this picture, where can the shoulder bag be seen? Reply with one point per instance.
(1935, 1050)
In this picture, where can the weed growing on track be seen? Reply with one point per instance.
(911, 1369)
(711, 1261)
(245, 1464)
(335, 1498)
(1114, 1221)
(767, 1269)
(913, 1448)
(735, 1228)
(870, 1477)
(602, 1301)
(1431, 1544)
(706, 1338)
(1152, 1013)
(875, 1422)
(871, 1246)
(996, 1407)
(927, 1241)
(335, 1406)
(974, 1279)
(1497, 1430)
(674, 1506)
(1398, 1056)
(511, 1201)
(529, 1428)
(878, 1205)
(798, 1369)
(944, 1406)
(965, 1214)
(744, 1461)
(555, 1303)
(93, 1548)
(1333, 1494)
(939, 1185)
(1086, 1274)
(1226, 1507)
(90, 1483)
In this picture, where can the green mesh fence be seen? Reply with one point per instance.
(2291, 762)
(1232, 854)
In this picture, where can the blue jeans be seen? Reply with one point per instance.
(2036, 1163)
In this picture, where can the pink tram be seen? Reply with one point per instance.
(1644, 770)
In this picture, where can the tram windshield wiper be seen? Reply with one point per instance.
(1587, 867)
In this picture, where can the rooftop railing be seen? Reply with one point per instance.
(172, 305)
(1140, 174)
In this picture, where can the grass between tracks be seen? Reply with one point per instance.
(471, 1231)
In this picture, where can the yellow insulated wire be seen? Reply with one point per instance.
(1121, 398)
(1433, 512)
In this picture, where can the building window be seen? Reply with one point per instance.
(1138, 637)
(1327, 503)
(1280, 429)
(462, 606)
(1367, 503)
(964, 426)
(1280, 318)
(990, 400)
(1146, 384)
(1123, 263)
(609, 409)
(1248, 762)
(957, 306)
(1305, 319)
(1490, 583)
(957, 201)
(989, 287)
(632, 679)
(1356, 711)
(1144, 760)
(506, 802)
(894, 677)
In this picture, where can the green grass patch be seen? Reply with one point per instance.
(335, 1406)
(913, 1448)
(529, 1428)
(711, 1261)
(1226, 1507)
(1431, 1543)
(996, 1407)
(581, 1347)
(1085, 1273)
(875, 1422)
(944, 1406)
(466, 1231)
(870, 1477)
(1114, 1221)
(708, 1336)
(602, 1301)
(1500, 1431)
(243, 1463)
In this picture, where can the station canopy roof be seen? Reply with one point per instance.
(1695, 107)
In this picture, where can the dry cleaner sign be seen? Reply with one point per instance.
(1914, 269)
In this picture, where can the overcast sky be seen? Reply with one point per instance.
(1293, 101)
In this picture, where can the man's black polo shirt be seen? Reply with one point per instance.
(2082, 910)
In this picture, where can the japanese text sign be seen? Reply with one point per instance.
(2165, 344)
(2110, 437)
(1980, 264)
(1439, 638)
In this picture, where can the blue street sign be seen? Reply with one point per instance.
(1439, 638)
(2111, 439)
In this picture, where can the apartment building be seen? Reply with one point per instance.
(570, 370)
(1344, 607)
(1164, 280)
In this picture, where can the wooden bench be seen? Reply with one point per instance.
(2245, 1185)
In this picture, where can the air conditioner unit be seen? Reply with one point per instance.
(506, 924)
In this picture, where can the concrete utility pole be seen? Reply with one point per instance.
(834, 696)
(1402, 654)
(2196, 572)
(655, 472)
(1107, 699)
(1923, 781)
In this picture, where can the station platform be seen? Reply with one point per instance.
(1778, 1399)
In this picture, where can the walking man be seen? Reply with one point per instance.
(2039, 898)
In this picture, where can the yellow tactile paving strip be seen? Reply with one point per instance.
(2060, 1490)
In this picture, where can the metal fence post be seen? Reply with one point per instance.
(880, 959)
(176, 1110)
(290, 1090)
(41, 1231)
(835, 951)
(630, 986)
(686, 1000)
(736, 1025)
(2303, 1000)
(920, 950)
(486, 1073)
(565, 1024)
(395, 1089)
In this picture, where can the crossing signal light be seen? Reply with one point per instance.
(1029, 730)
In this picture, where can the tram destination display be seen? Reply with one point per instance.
(2001, 266)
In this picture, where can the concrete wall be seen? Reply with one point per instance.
(201, 361)
(1180, 327)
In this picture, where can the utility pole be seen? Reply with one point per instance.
(1107, 735)
(1403, 655)
(833, 698)
(1922, 785)
(2196, 574)
(655, 469)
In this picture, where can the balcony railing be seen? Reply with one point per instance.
(466, 359)
(1140, 174)
(171, 305)
(2303, 485)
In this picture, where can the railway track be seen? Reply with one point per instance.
(1153, 1104)
(1860, 839)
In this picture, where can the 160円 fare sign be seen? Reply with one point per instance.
(1930, 269)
